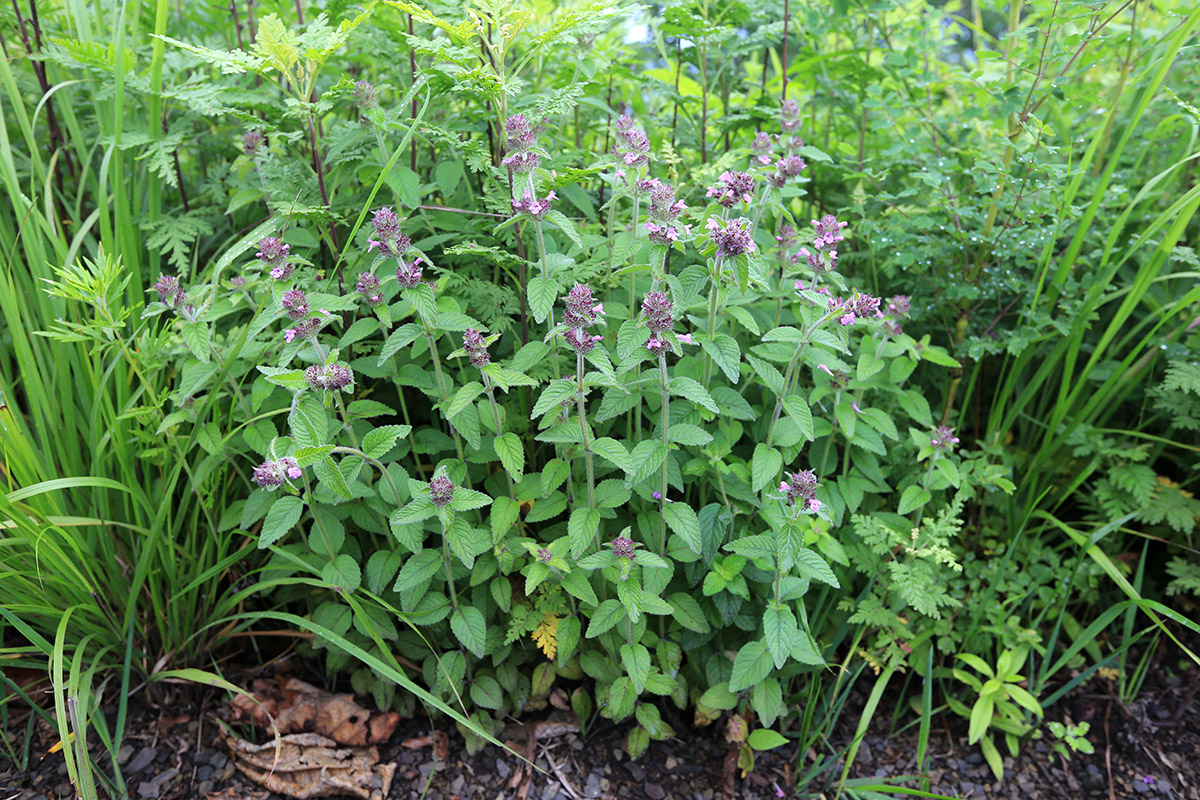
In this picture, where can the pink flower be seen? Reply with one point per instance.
(531, 206)
(598, 309)
(294, 472)
(731, 238)
(686, 338)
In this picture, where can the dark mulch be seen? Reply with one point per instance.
(1150, 748)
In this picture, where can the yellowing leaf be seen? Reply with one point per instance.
(546, 635)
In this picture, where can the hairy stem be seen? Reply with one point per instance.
(512, 489)
(587, 445)
(664, 380)
(541, 240)
(441, 382)
(791, 369)
(712, 315)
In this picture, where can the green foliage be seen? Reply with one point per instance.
(736, 511)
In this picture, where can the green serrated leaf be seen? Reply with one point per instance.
(752, 664)
(779, 632)
(470, 629)
(379, 441)
(765, 466)
(541, 294)
(281, 518)
(581, 530)
(683, 522)
(512, 454)
(725, 353)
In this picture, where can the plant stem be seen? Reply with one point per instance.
(354, 451)
(925, 487)
(541, 240)
(512, 489)
(712, 315)
(787, 376)
(441, 380)
(337, 398)
(664, 379)
(320, 528)
(587, 445)
(449, 569)
(637, 210)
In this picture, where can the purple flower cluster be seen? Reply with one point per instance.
(408, 273)
(364, 95)
(520, 133)
(170, 293)
(801, 487)
(581, 312)
(826, 236)
(633, 146)
(544, 555)
(390, 240)
(273, 253)
(622, 547)
(328, 376)
(368, 287)
(898, 308)
(522, 158)
(828, 231)
(476, 347)
(858, 306)
(786, 168)
(802, 286)
(270, 475)
(789, 116)
(732, 238)
(659, 313)
(441, 491)
(252, 142)
(580, 340)
(733, 188)
(531, 206)
(295, 304)
(303, 329)
(664, 212)
(762, 148)
(786, 238)
(944, 438)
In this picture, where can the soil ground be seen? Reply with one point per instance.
(1149, 748)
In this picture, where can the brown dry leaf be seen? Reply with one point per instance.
(417, 742)
(232, 793)
(166, 723)
(299, 707)
(308, 765)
